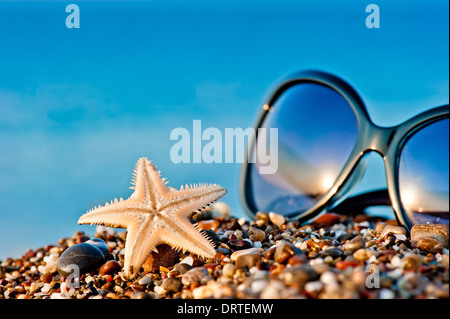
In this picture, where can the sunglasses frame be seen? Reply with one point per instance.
(386, 141)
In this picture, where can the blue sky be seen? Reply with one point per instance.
(78, 107)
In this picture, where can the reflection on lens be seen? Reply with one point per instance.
(423, 175)
(317, 130)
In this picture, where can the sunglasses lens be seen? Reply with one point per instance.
(423, 175)
(317, 130)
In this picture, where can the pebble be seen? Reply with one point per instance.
(257, 244)
(329, 279)
(333, 253)
(50, 264)
(355, 244)
(166, 257)
(208, 225)
(221, 208)
(346, 236)
(299, 275)
(47, 277)
(171, 284)
(313, 288)
(187, 260)
(109, 268)
(327, 220)
(83, 257)
(277, 219)
(248, 259)
(342, 264)
(379, 228)
(386, 294)
(239, 244)
(363, 254)
(396, 230)
(145, 280)
(284, 251)
(257, 286)
(256, 234)
(234, 256)
(183, 267)
(263, 218)
(430, 237)
(428, 244)
(194, 275)
(229, 270)
(140, 295)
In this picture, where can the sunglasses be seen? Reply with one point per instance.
(324, 137)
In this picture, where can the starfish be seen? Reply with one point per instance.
(156, 214)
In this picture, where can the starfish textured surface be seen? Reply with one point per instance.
(156, 214)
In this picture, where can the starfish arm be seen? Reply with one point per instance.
(185, 202)
(148, 184)
(189, 239)
(119, 214)
(138, 245)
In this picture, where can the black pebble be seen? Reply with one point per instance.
(86, 256)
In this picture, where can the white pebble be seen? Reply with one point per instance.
(364, 231)
(144, 280)
(238, 233)
(364, 224)
(303, 246)
(386, 294)
(396, 273)
(222, 209)
(277, 219)
(316, 261)
(160, 290)
(227, 259)
(257, 244)
(329, 279)
(46, 288)
(50, 264)
(258, 274)
(258, 285)
(63, 287)
(307, 229)
(396, 262)
(313, 286)
(200, 292)
(187, 260)
(89, 279)
(372, 260)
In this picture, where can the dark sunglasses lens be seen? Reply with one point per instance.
(317, 130)
(423, 175)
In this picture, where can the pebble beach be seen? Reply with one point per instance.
(272, 257)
